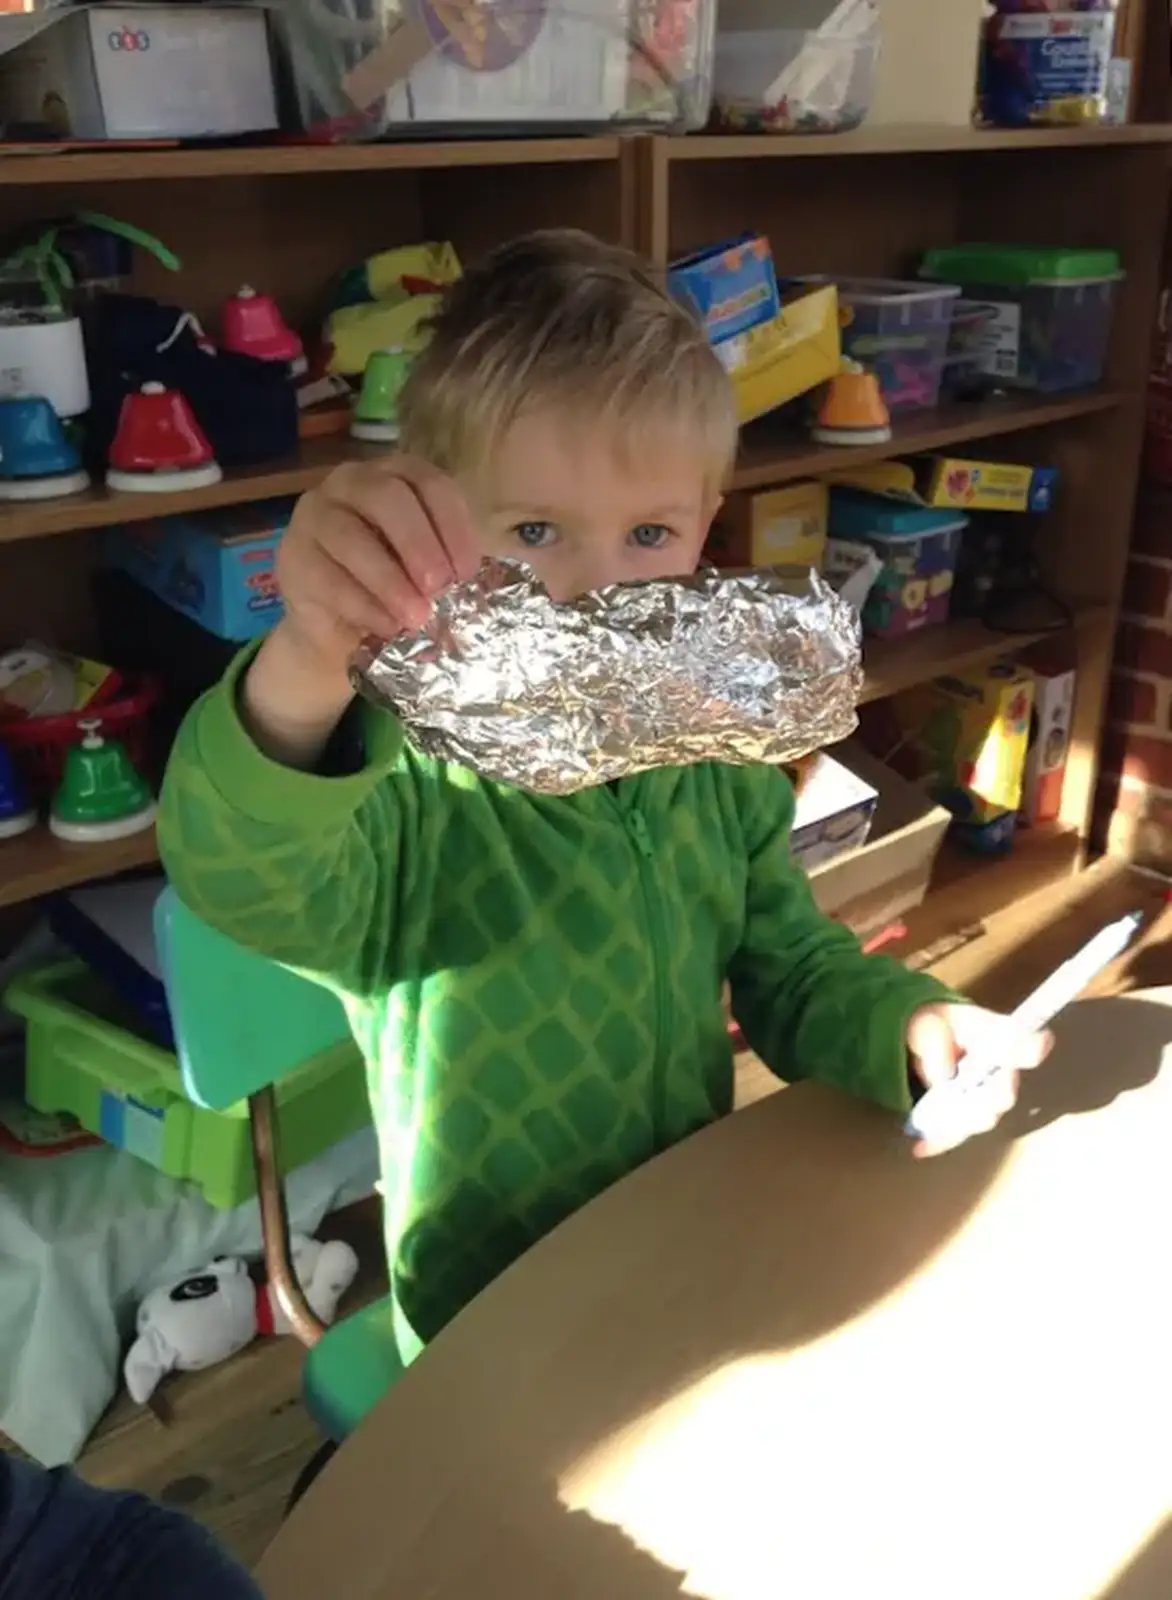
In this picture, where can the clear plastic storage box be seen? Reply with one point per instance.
(366, 69)
(900, 331)
(790, 80)
(1051, 311)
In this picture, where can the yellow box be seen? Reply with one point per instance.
(773, 528)
(965, 738)
(953, 482)
(786, 357)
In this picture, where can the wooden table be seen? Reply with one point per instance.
(786, 1360)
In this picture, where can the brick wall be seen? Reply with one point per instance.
(1134, 807)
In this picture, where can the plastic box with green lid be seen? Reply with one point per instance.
(1053, 310)
(87, 1055)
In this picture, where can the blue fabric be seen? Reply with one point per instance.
(60, 1539)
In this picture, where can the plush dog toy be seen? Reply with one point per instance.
(205, 1317)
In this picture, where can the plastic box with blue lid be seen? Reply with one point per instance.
(919, 549)
(216, 567)
(1052, 310)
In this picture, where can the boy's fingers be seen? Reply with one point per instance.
(932, 1046)
(390, 511)
(441, 502)
(358, 552)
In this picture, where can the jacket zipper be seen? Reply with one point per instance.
(657, 935)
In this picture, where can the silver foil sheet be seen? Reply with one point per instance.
(738, 667)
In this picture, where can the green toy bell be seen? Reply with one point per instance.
(376, 414)
(101, 796)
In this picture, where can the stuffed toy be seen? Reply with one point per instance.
(207, 1316)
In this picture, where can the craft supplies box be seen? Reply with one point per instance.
(1054, 310)
(951, 482)
(568, 64)
(900, 331)
(964, 738)
(1050, 726)
(789, 355)
(804, 66)
(139, 72)
(871, 885)
(88, 1055)
(729, 288)
(919, 549)
(778, 527)
(216, 567)
(832, 813)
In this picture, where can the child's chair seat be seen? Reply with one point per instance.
(241, 1023)
(350, 1369)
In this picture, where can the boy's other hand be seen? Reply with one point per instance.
(938, 1039)
(368, 553)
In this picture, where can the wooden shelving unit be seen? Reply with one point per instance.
(290, 218)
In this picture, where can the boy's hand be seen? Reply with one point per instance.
(940, 1036)
(368, 552)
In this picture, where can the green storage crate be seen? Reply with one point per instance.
(87, 1055)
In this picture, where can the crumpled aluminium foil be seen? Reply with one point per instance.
(738, 667)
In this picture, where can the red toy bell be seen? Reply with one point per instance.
(253, 326)
(159, 446)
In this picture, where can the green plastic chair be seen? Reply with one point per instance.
(241, 1024)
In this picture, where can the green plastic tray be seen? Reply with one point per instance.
(88, 1056)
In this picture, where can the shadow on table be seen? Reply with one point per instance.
(1103, 1049)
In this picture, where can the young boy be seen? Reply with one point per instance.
(535, 982)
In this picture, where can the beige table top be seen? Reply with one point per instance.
(786, 1360)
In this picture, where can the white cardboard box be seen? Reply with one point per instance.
(139, 71)
(833, 813)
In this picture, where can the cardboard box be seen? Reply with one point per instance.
(139, 72)
(833, 813)
(963, 738)
(883, 879)
(729, 288)
(217, 567)
(951, 483)
(779, 527)
(1050, 727)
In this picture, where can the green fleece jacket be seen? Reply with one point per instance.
(535, 982)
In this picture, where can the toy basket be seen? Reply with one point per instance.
(39, 744)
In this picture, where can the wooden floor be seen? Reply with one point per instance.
(237, 1436)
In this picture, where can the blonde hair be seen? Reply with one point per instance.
(558, 318)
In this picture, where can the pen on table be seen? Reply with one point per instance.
(931, 1113)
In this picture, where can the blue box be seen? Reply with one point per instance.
(216, 567)
(729, 288)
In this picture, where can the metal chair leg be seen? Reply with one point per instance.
(274, 1218)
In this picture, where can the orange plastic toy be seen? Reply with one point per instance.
(853, 410)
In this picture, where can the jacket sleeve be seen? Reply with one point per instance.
(807, 999)
(304, 869)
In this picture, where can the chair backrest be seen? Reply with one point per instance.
(241, 1021)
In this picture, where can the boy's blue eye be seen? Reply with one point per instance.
(536, 535)
(650, 535)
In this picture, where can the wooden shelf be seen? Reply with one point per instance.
(291, 160)
(917, 141)
(99, 507)
(770, 454)
(896, 664)
(37, 863)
